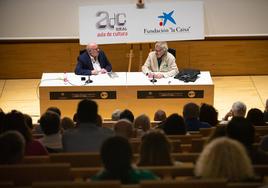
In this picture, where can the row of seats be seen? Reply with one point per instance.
(25, 174)
(90, 159)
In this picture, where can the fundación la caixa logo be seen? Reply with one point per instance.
(111, 24)
(167, 24)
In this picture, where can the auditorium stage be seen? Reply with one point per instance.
(22, 94)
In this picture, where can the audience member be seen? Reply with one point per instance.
(15, 121)
(87, 136)
(50, 125)
(265, 113)
(67, 123)
(29, 121)
(2, 118)
(127, 114)
(264, 143)
(160, 63)
(37, 129)
(238, 109)
(142, 124)
(54, 109)
(240, 129)
(160, 115)
(116, 156)
(191, 117)
(208, 114)
(256, 117)
(155, 149)
(174, 125)
(92, 61)
(12, 146)
(99, 121)
(224, 158)
(124, 128)
(116, 115)
(219, 131)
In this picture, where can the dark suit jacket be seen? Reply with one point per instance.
(84, 65)
(194, 124)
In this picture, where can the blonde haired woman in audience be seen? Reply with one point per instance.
(155, 149)
(142, 124)
(224, 158)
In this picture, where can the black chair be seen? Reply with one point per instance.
(82, 51)
(172, 51)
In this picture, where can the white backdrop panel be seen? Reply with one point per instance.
(128, 24)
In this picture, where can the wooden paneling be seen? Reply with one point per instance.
(230, 57)
(29, 59)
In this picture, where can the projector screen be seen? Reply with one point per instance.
(50, 19)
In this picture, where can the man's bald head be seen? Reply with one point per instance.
(93, 49)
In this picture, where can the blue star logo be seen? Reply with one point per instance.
(167, 17)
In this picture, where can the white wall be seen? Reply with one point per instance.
(59, 18)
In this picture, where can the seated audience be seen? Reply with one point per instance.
(265, 113)
(67, 123)
(29, 121)
(219, 131)
(264, 143)
(239, 109)
(99, 121)
(127, 114)
(116, 156)
(155, 149)
(224, 158)
(142, 124)
(116, 115)
(50, 125)
(15, 121)
(208, 114)
(240, 129)
(191, 117)
(124, 128)
(160, 115)
(54, 109)
(37, 129)
(256, 117)
(12, 146)
(174, 125)
(87, 136)
(2, 118)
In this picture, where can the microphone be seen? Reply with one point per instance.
(153, 80)
(88, 81)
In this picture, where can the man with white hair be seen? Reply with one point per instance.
(160, 63)
(92, 61)
(239, 109)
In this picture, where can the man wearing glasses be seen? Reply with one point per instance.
(92, 61)
(160, 63)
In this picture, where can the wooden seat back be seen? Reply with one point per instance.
(213, 183)
(81, 159)
(25, 174)
(66, 184)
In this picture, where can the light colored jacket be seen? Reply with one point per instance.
(168, 65)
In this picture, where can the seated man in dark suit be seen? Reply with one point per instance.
(191, 113)
(92, 62)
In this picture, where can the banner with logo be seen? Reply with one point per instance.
(170, 21)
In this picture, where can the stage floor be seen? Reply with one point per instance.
(22, 94)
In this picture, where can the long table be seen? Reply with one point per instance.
(131, 90)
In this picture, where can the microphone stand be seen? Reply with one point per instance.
(88, 81)
(153, 80)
